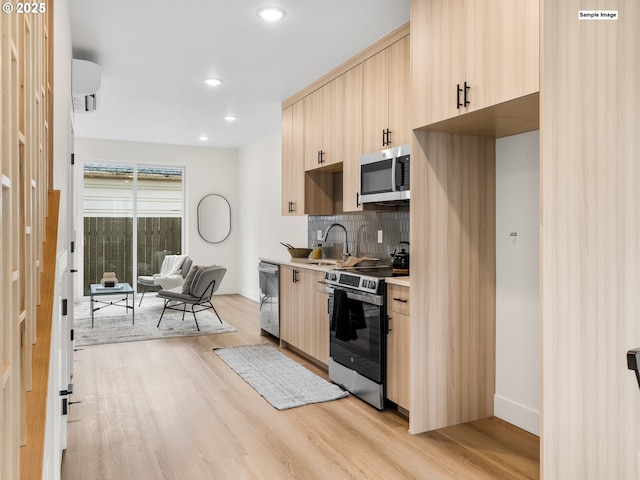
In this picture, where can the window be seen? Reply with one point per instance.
(127, 206)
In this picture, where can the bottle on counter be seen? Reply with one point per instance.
(316, 254)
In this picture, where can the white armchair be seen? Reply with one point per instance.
(173, 271)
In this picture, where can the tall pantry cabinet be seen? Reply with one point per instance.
(463, 55)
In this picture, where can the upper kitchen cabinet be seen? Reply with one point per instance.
(324, 125)
(293, 176)
(387, 107)
(353, 104)
(486, 55)
(302, 192)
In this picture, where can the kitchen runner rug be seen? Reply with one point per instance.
(281, 381)
(112, 324)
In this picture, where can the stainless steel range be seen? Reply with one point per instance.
(357, 346)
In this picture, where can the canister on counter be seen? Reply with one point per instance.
(316, 254)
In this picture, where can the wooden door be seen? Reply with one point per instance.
(304, 322)
(376, 101)
(313, 123)
(290, 311)
(400, 92)
(293, 179)
(438, 46)
(399, 346)
(352, 147)
(333, 108)
(502, 50)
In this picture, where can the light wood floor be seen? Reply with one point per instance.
(171, 409)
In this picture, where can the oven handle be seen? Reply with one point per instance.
(361, 297)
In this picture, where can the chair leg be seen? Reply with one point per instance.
(184, 310)
(194, 317)
(144, 290)
(165, 307)
(216, 312)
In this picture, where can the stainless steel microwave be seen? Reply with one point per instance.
(385, 175)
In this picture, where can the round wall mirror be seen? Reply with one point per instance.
(214, 218)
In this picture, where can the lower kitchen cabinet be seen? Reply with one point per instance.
(398, 346)
(304, 321)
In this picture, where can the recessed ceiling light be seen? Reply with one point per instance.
(271, 13)
(203, 138)
(230, 118)
(212, 82)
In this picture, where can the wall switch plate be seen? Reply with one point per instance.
(319, 235)
(379, 236)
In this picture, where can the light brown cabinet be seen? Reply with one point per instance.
(399, 346)
(302, 192)
(387, 108)
(293, 176)
(304, 322)
(325, 134)
(353, 105)
(485, 53)
(324, 125)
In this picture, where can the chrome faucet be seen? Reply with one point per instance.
(345, 250)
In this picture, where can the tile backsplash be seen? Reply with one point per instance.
(362, 233)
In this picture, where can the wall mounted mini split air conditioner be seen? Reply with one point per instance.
(85, 83)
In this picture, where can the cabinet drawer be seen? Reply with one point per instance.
(398, 299)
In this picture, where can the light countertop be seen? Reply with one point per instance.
(401, 281)
(326, 264)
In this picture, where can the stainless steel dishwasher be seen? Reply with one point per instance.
(268, 275)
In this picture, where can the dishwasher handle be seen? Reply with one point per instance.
(268, 268)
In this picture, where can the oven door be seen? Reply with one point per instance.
(357, 336)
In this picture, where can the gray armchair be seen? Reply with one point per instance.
(198, 288)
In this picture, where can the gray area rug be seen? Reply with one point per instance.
(280, 380)
(112, 324)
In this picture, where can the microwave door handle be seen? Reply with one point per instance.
(394, 183)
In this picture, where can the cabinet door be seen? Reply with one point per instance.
(324, 125)
(353, 103)
(400, 92)
(293, 176)
(313, 122)
(289, 306)
(398, 346)
(438, 43)
(333, 121)
(304, 322)
(502, 59)
(376, 101)
(321, 305)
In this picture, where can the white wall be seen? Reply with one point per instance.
(208, 170)
(517, 398)
(262, 225)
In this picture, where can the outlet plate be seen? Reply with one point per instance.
(514, 240)
(319, 235)
(379, 236)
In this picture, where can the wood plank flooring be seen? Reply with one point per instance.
(171, 409)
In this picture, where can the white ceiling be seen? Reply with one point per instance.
(155, 54)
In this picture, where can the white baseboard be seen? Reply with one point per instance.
(517, 414)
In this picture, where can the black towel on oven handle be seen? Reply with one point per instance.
(348, 315)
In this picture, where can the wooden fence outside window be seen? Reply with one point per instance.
(108, 246)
